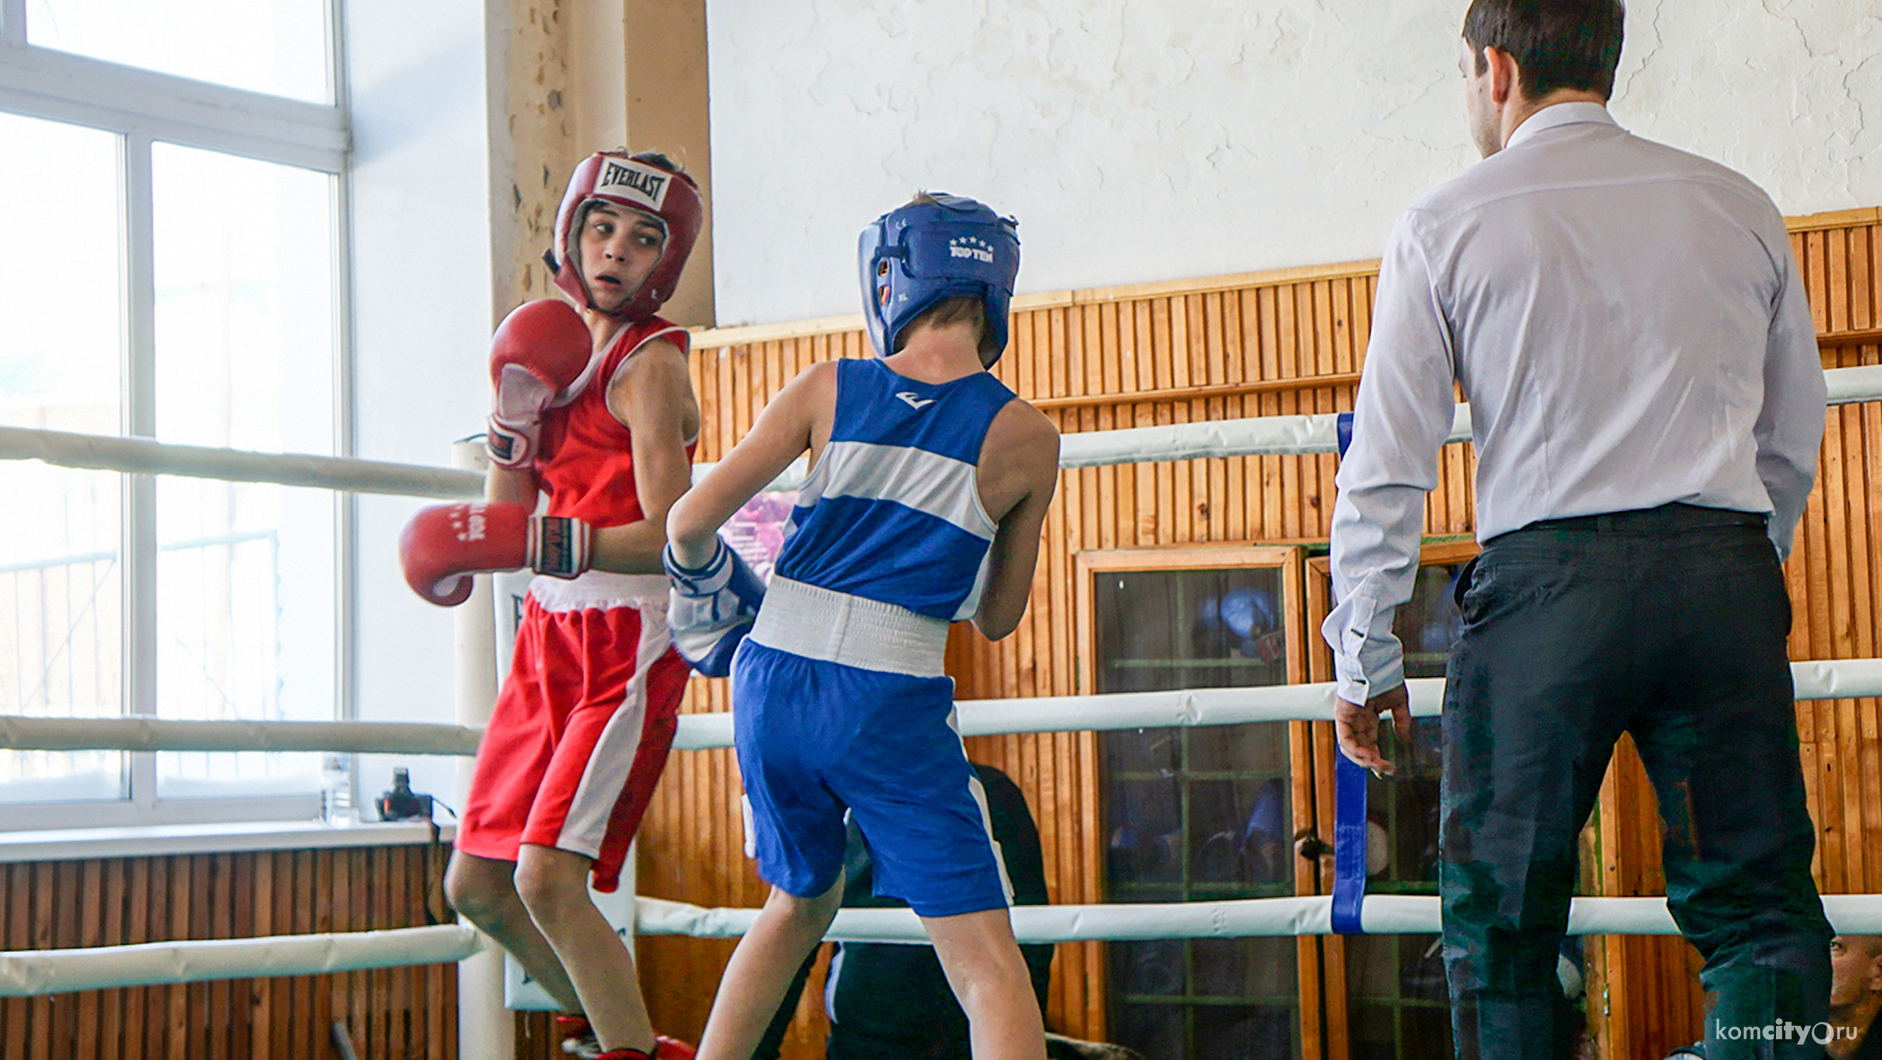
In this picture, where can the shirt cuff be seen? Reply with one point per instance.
(1366, 662)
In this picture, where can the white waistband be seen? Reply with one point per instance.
(600, 589)
(853, 630)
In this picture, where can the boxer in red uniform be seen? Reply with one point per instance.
(594, 408)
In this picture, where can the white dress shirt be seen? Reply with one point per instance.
(1629, 328)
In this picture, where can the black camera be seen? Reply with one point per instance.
(402, 803)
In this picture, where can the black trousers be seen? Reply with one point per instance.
(1669, 624)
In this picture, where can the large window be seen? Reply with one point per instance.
(1199, 814)
(171, 268)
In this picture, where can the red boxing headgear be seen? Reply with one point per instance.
(640, 184)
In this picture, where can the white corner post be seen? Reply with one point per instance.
(485, 1029)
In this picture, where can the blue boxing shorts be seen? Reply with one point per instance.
(839, 703)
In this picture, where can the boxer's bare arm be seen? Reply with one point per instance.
(652, 395)
(1019, 472)
(797, 419)
(510, 485)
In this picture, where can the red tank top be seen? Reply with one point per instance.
(586, 463)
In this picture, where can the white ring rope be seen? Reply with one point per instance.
(1380, 914)
(141, 732)
(33, 972)
(24, 973)
(46, 971)
(100, 452)
(1183, 708)
(1259, 436)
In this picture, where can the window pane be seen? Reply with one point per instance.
(245, 302)
(245, 625)
(1197, 814)
(246, 604)
(61, 286)
(273, 46)
(60, 582)
(61, 618)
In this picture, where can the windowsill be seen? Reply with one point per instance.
(63, 844)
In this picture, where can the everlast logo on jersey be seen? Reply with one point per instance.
(633, 181)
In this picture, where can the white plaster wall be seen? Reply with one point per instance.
(1160, 139)
(422, 266)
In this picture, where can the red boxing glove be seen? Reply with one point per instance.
(445, 544)
(539, 353)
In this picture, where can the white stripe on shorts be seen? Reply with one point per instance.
(615, 752)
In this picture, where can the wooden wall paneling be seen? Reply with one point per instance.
(1135, 481)
(65, 920)
(1175, 508)
(227, 1019)
(1265, 332)
(14, 1015)
(137, 916)
(170, 920)
(1057, 803)
(386, 993)
(1817, 722)
(1240, 362)
(1110, 519)
(387, 986)
(245, 916)
(41, 935)
(285, 992)
(310, 994)
(1291, 323)
(337, 894)
(88, 1019)
(720, 423)
(1210, 480)
(113, 878)
(1317, 485)
(1867, 427)
(1836, 293)
(1057, 525)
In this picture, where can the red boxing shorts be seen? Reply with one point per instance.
(582, 726)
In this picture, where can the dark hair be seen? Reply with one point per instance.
(1557, 44)
(659, 159)
(951, 311)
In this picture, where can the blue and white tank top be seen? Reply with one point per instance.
(892, 510)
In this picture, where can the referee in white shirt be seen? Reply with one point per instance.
(1629, 328)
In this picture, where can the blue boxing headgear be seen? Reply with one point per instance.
(917, 255)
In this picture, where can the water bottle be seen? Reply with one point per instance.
(336, 790)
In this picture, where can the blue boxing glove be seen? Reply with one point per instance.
(710, 607)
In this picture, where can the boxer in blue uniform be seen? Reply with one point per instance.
(929, 485)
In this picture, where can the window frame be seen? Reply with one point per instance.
(143, 107)
(1290, 560)
(1444, 551)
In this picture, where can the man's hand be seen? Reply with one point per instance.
(1357, 727)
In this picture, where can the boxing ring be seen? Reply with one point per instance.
(55, 971)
